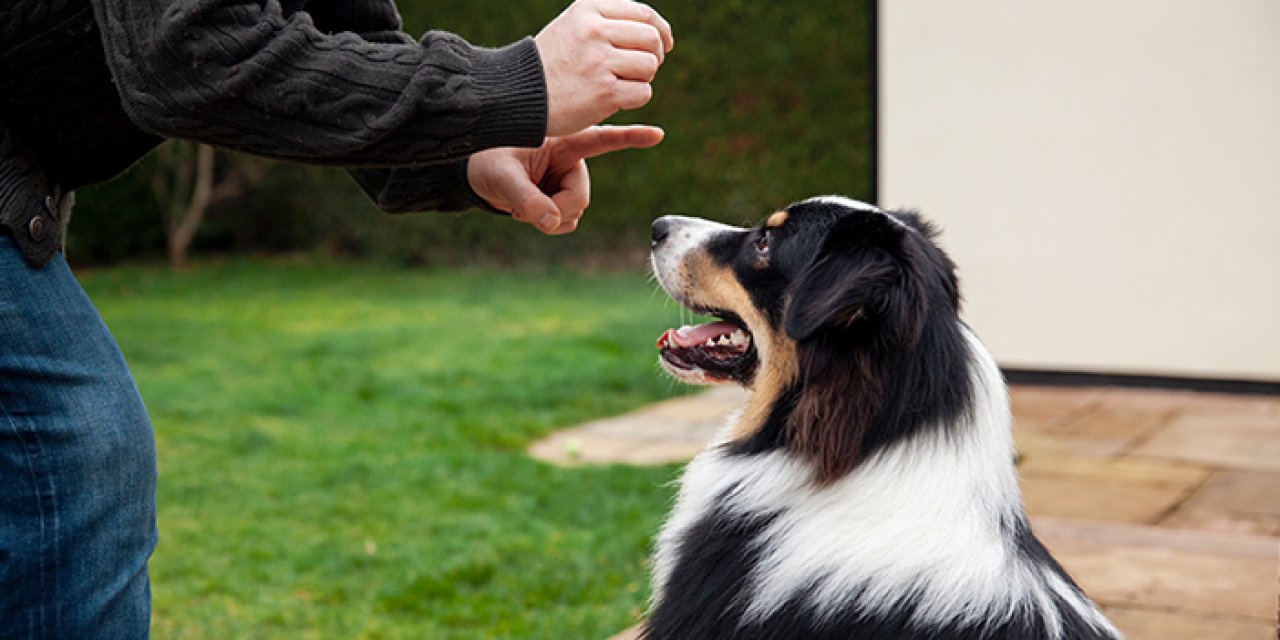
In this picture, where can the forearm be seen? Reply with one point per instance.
(244, 75)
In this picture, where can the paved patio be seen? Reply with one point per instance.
(1164, 505)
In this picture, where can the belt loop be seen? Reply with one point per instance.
(68, 203)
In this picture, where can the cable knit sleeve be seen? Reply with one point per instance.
(247, 75)
(430, 188)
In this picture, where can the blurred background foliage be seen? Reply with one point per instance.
(763, 104)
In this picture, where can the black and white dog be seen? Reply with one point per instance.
(867, 489)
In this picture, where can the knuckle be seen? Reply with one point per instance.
(655, 38)
(528, 207)
(651, 65)
(609, 91)
(596, 58)
(641, 96)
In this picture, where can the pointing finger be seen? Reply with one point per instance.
(599, 140)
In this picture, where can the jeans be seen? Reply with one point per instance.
(77, 466)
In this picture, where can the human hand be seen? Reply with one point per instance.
(549, 187)
(599, 57)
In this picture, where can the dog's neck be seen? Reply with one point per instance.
(839, 404)
(949, 464)
(772, 383)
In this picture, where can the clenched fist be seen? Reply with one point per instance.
(599, 57)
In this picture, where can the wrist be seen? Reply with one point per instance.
(511, 91)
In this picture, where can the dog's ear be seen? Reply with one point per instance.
(852, 282)
(847, 314)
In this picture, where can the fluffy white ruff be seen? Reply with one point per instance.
(920, 520)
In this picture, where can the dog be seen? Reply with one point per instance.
(867, 488)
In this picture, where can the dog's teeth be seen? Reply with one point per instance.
(711, 342)
(722, 340)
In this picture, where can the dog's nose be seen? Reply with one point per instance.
(661, 229)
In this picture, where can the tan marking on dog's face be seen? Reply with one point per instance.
(776, 372)
(713, 286)
(776, 220)
(710, 285)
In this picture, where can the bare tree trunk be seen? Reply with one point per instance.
(186, 184)
(182, 230)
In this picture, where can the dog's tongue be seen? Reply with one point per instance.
(692, 336)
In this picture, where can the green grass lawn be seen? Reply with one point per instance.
(341, 448)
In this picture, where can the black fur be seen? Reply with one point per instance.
(716, 558)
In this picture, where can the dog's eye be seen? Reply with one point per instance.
(762, 243)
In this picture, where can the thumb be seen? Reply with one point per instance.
(528, 202)
(602, 139)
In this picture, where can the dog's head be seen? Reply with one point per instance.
(844, 314)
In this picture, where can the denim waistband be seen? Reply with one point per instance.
(33, 208)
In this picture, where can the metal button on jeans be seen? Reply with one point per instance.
(37, 228)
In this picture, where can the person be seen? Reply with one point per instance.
(89, 86)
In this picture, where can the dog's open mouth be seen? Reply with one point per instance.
(716, 351)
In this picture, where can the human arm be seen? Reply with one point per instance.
(341, 84)
(255, 77)
(247, 75)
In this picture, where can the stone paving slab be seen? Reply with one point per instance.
(670, 431)
(1239, 439)
(1101, 429)
(1210, 574)
(632, 633)
(1241, 501)
(1067, 498)
(1162, 624)
(1105, 489)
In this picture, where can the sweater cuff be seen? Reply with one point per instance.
(442, 187)
(512, 94)
(464, 196)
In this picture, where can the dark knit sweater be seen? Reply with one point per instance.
(89, 86)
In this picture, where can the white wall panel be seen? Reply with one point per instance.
(1107, 174)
